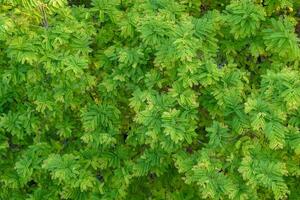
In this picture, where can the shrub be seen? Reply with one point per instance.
(149, 99)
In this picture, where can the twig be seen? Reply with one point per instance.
(44, 15)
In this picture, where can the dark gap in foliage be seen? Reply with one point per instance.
(298, 13)
(85, 3)
(99, 177)
(12, 145)
(298, 27)
(152, 176)
(221, 60)
(189, 150)
(32, 184)
(125, 135)
(202, 138)
(210, 5)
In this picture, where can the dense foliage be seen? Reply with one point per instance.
(149, 99)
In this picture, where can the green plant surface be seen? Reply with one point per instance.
(149, 99)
